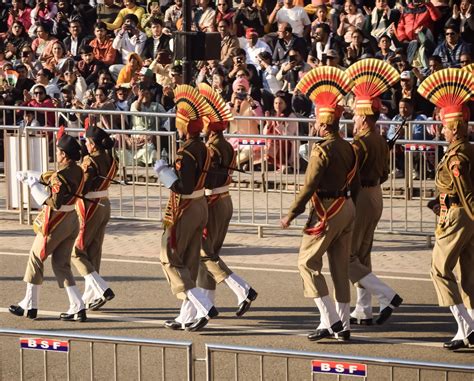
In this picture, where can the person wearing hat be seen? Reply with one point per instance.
(254, 46)
(331, 182)
(371, 78)
(213, 269)
(100, 167)
(451, 90)
(56, 229)
(186, 213)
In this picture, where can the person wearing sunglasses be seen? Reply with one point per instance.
(39, 99)
(452, 47)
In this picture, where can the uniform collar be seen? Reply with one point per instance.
(456, 143)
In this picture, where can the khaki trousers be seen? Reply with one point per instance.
(88, 260)
(336, 242)
(181, 264)
(454, 242)
(59, 246)
(212, 268)
(369, 207)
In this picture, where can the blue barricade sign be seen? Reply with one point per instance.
(332, 367)
(44, 344)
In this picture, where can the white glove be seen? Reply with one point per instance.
(21, 176)
(167, 176)
(160, 165)
(32, 180)
(38, 191)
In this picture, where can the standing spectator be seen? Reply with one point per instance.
(451, 49)
(381, 20)
(323, 41)
(76, 40)
(350, 20)
(173, 14)
(229, 43)
(128, 40)
(463, 15)
(131, 8)
(107, 12)
(102, 45)
(287, 41)
(254, 46)
(20, 12)
(250, 15)
(158, 41)
(296, 16)
(204, 16)
(292, 71)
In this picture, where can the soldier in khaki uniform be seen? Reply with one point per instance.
(186, 213)
(450, 89)
(100, 167)
(371, 78)
(213, 269)
(331, 179)
(57, 228)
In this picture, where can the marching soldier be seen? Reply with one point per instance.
(186, 213)
(100, 167)
(57, 227)
(331, 180)
(371, 78)
(213, 269)
(451, 89)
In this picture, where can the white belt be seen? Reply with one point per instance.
(195, 194)
(98, 194)
(66, 208)
(219, 190)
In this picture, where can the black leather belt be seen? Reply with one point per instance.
(369, 183)
(333, 193)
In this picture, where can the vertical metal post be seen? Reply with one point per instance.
(21, 364)
(236, 365)
(92, 359)
(68, 362)
(115, 363)
(45, 353)
(209, 375)
(261, 368)
(189, 359)
(187, 19)
(287, 368)
(139, 363)
(163, 367)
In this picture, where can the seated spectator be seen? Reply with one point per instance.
(173, 14)
(220, 85)
(107, 11)
(69, 101)
(229, 43)
(73, 78)
(46, 78)
(176, 79)
(292, 71)
(323, 41)
(416, 16)
(382, 20)
(321, 18)
(102, 45)
(103, 102)
(146, 79)
(384, 53)
(204, 16)
(88, 66)
(332, 58)
(21, 13)
(44, 13)
(158, 41)
(296, 16)
(161, 66)
(269, 73)
(29, 119)
(15, 40)
(131, 8)
(357, 49)
(250, 15)
(27, 58)
(225, 12)
(22, 82)
(451, 49)
(351, 19)
(144, 146)
(239, 62)
(254, 46)
(43, 42)
(129, 73)
(280, 154)
(122, 97)
(56, 60)
(128, 40)
(104, 80)
(463, 16)
(61, 21)
(465, 59)
(434, 64)
(76, 39)
(153, 12)
(40, 100)
(287, 41)
(242, 104)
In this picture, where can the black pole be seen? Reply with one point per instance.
(187, 20)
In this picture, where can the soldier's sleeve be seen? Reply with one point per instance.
(90, 172)
(360, 150)
(318, 163)
(185, 168)
(459, 169)
(386, 162)
(59, 190)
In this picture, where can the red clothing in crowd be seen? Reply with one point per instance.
(415, 17)
(49, 120)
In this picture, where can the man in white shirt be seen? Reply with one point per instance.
(254, 46)
(286, 12)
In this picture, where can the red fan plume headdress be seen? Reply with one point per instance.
(220, 114)
(326, 86)
(190, 108)
(371, 77)
(449, 89)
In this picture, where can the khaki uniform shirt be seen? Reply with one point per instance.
(222, 159)
(63, 184)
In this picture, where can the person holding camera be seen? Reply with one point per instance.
(44, 13)
(292, 71)
(130, 8)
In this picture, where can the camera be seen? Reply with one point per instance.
(241, 96)
(292, 59)
(239, 60)
(25, 54)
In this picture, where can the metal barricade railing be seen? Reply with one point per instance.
(274, 172)
(387, 363)
(92, 340)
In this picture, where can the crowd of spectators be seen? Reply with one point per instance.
(119, 55)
